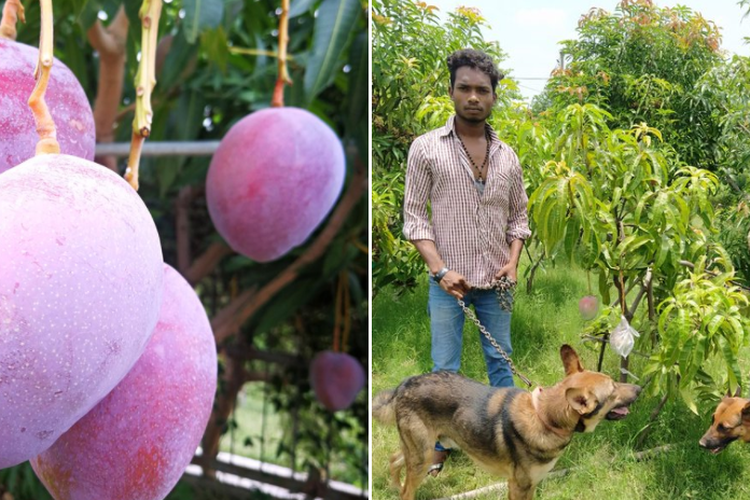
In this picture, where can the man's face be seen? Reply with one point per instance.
(472, 94)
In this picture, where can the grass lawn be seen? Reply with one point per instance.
(600, 465)
(257, 434)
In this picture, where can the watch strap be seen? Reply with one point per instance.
(438, 276)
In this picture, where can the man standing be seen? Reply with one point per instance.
(474, 184)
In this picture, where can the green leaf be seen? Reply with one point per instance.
(185, 122)
(299, 7)
(733, 369)
(87, 15)
(215, 43)
(132, 10)
(201, 15)
(334, 256)
(174, 70)
(687, 396)
(75, 60)
(335, 22)
(632, 243)
(715, 323)
(287, 303)
(662, 251)
(572, 232)
(604, 286)
(359, 84)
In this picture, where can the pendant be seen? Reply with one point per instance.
(479, 184)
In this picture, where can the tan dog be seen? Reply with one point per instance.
(506, 431)
(731, 421)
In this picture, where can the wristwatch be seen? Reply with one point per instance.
(438, 276)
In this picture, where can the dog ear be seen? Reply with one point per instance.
(570, 360)
(581, 399)
(746, 412)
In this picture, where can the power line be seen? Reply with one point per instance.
(529, 88)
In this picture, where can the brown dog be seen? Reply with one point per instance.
(731, 421)
(506, 431)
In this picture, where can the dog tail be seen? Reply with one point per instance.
(383, 407)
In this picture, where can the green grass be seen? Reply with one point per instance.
(258, 431)
(602, 464)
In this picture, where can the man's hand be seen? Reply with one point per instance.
(510, 270)
(454, 284)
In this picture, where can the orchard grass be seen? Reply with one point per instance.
(249, 424)
(603, 464)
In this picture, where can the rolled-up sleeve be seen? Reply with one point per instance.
(518, 219)
(416, 193)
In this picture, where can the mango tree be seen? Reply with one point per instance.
(618, 203)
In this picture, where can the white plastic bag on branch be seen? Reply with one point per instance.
(622, 339)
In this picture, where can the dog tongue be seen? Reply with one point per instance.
(620, 412)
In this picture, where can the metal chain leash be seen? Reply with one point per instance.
(504, 288)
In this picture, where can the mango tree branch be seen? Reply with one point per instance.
(145, 80)
(257, 52)
(206, 262)
(637, 300)
(182, 227)
(110, 44)
(234, 377)
(230, 319)
(194, 270)
(12, 12)
(45, 126)
(283, 78)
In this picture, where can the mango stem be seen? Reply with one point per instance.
(283, 78)
(145, 80)
(12, 12)
(45, 125)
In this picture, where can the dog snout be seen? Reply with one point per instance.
(632, 391)
(709, 442)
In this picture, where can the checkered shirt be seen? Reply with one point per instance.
(472, 233)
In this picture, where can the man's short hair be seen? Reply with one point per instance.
(474, 59)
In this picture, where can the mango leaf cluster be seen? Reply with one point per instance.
(620, 204)
(643, 63)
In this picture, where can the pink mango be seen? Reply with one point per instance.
(588, 306)
(65, 98)
(81, 281)
(274, 178)
(137, 442)
(336, 379)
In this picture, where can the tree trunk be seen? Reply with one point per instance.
(110, 43)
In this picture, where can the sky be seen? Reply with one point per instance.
(528, 31)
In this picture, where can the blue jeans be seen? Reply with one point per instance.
(447, 324)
